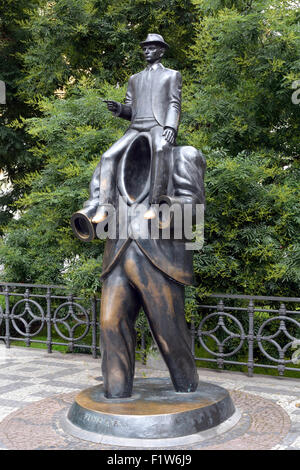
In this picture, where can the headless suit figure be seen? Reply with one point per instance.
(144, 272)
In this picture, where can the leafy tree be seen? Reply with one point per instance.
(99, 38)
(245, 59)
(47, 47)
(251, 226)
(238, 60)
(68, 43)
(71, 135)
(15, 159)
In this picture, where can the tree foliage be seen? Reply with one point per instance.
(245, 59)
(70, 136)
(251, 225)
(100, 38)
(15, 158)
(238, 60)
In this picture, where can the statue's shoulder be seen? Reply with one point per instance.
(135, 75)
(171, 72)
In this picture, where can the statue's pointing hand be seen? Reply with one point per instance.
(113, 106)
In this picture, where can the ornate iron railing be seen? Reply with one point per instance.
(249, 331)
(264, 331)
(29, 312)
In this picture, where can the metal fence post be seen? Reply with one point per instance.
(71, 311)
(27, 327)
(6, 316)
(220, 358)
(281, 365)
(48, 320)
(250, 338)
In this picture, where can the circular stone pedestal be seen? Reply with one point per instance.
(154, 412)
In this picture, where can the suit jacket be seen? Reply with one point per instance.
(169, 256)
(165, 89)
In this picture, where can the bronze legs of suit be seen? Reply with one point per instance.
(159, 166)
(132, 284)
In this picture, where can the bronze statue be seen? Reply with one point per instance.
(140, 271)
(152, 104)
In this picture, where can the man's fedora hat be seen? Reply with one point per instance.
(157, 38)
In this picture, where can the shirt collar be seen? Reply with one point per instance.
(154, 66)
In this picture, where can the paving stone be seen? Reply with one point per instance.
(36, 389)
(5, 411)
(13, 403)
(7, 364)
(61, 373)
(47, 363)
(295, 427)
(296, 444)
(2, 446)
(29, 369)
(39, 426)
(43, 393)
(13, 387)
(273, 391)
(14, 377)
(63, 384)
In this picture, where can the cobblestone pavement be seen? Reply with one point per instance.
(37, 388)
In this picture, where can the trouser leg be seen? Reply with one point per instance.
(119, 308)
(161, 160)
(108, 167)
(166, 317)
(163, 303)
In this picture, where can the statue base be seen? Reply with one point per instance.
(154, 415)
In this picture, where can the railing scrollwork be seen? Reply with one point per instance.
(250, 331)
(46, 314)
(256, 329)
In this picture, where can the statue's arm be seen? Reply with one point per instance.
(125, 110)
(82, 220)
(174, 105)
(188, 175)
(93, 200)
(187, 180)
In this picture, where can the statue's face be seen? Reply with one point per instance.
(153, 52)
